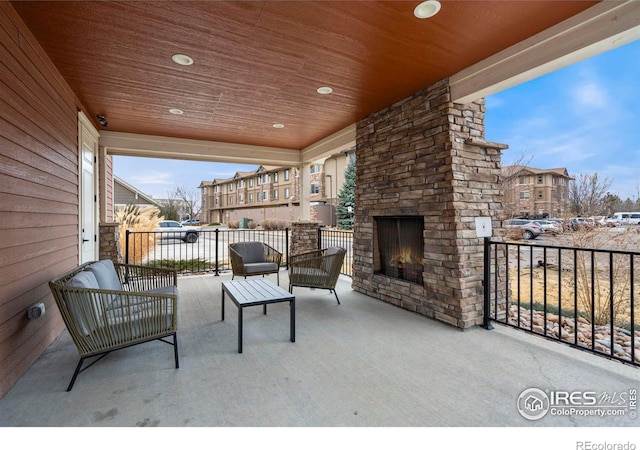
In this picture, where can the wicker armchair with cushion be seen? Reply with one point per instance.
(254, 258)
(108, 307)
(318, 269)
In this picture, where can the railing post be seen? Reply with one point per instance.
(126, 247)
(216, 252)
(320, 237)
(487, 285)
(286, 246)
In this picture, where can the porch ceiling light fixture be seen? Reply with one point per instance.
(427, 9)
(324, 90)
(176, 111)
(278, 125)
(102, 120)
(183, 60)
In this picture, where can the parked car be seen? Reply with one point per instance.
(191, 222)
(598, 221)
(172, 229)
(624, 218)
(549, 226)
(529, 229)
(578, 223)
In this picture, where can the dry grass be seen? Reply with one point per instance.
(585, 281)
(138, 219)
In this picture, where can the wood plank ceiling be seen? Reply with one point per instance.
(257, 63)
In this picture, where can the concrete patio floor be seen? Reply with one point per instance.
(363, 363)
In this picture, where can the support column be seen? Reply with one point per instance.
(110, 242)
(304, 237)
(305, 192)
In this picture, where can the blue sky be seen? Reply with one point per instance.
(585, 118)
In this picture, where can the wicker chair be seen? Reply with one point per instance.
(108, 307)
(254, 258)
(317, 269)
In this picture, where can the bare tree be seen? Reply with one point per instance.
(588, 194)
(186, 201)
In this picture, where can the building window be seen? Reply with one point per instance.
(286, 175)
(230, 187)
(524, 179)
(241, 184)
(540, 194)
(524, 195)
(250, 182)
(217, 189)
(315, 188)
(240, 198)
(540, 179)
(250, 198)
(265, 195)
(217, 201)
(258, 180)
(554, 180)
(275, 177)
(315, 168)
(275, 194)
(265, 178)
(231, 199)
(286, 193)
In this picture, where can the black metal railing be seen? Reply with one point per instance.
(583, 297)
(209, 253)
(338, 238)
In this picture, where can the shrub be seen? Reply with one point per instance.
(138, 218)
(274, 224)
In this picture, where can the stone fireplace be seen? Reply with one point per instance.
(423, 167)
(399, 247)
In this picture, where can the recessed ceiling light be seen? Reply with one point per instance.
(278, 125)
(427, 9)
(176, 111)
(324, 90)
(183, 60)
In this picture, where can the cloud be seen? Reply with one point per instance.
(153, 178)
(591, 95)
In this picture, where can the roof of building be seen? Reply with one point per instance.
(136, 191)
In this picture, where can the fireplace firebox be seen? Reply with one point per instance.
(400, 247)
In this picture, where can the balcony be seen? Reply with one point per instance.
(364, 363)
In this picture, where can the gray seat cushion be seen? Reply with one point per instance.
(85, 280)
(85, 309)
(251, 252)
(105, 273)
(261, 267)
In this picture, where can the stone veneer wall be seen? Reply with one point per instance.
(426, 156)
(110, 242)
(304, 237)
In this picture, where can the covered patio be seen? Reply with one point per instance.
(364, 363)
(246, 82)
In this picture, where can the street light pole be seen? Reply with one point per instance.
(330, 200)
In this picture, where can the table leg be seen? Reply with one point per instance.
(223, 304)
(240, 329)
(292, 320)
(264, 309)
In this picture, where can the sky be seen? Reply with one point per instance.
(585, 118)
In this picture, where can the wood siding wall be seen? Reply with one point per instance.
(38, 194)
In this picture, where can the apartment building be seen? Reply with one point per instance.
(532, 192)
(274, 193)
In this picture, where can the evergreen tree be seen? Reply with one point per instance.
(346, 198)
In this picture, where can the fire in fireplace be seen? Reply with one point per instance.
(400, 247)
